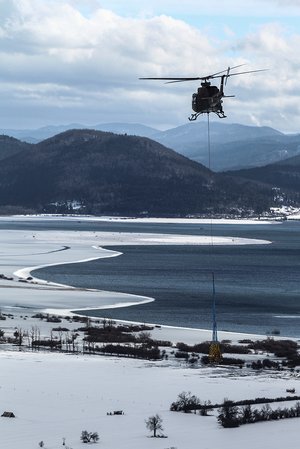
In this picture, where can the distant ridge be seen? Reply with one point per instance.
(233, 146)
(37, 135)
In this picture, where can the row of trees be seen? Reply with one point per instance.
(120, 340)
(59, 339)
(140, 352)
(203, 348)
(232, 416)
(187, 402)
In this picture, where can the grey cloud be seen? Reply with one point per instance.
(60, 65)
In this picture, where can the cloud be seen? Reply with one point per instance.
(51, 47)
(272, 97)
(107, 43)
(65, 61)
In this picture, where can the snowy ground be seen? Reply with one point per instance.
(82, 218)
(58, 395)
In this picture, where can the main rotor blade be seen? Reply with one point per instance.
(223, 71)
(250, 71)
(184, 79)
(203, 78)
(174, 80)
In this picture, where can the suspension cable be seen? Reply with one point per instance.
(208, 141)
(210, 183)
(215, 354)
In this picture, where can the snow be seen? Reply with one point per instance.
(188, 220)
(290, 212)
(295, 216)
(58, 395)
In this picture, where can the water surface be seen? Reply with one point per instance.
(257, 286)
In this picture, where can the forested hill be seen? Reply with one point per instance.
(283, 175)
(10, 146)
(102, 172)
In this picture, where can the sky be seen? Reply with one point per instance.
(79, 61)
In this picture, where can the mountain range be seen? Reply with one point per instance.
(232, 146)
(101, 172)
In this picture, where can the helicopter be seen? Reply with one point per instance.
(208, 98)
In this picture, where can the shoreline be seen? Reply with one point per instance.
(25, 272)
(191, 220)
(166, 329)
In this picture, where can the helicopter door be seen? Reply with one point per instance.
(200, 104)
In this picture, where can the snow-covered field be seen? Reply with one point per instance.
(59, 395)
(56, 395)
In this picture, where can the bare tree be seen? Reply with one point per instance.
(186, 402)
(74, 344)
(19, 335)
(95, 437)
(154, 423)
(35, 336)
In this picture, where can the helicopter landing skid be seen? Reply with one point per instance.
(221, 114)
(194, 116)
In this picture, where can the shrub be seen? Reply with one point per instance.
(141, 352)
(185, 402)
(181, 355)
(280, 348)
(88, 437)
(224, 361)
(228, 415)
(203, 348)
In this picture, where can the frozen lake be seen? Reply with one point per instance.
(257, 285)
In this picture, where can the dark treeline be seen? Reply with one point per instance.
(203, 348)
(139, 352)
(186, 402)
(232, 416)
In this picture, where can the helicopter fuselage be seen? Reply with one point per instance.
(207, 99)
